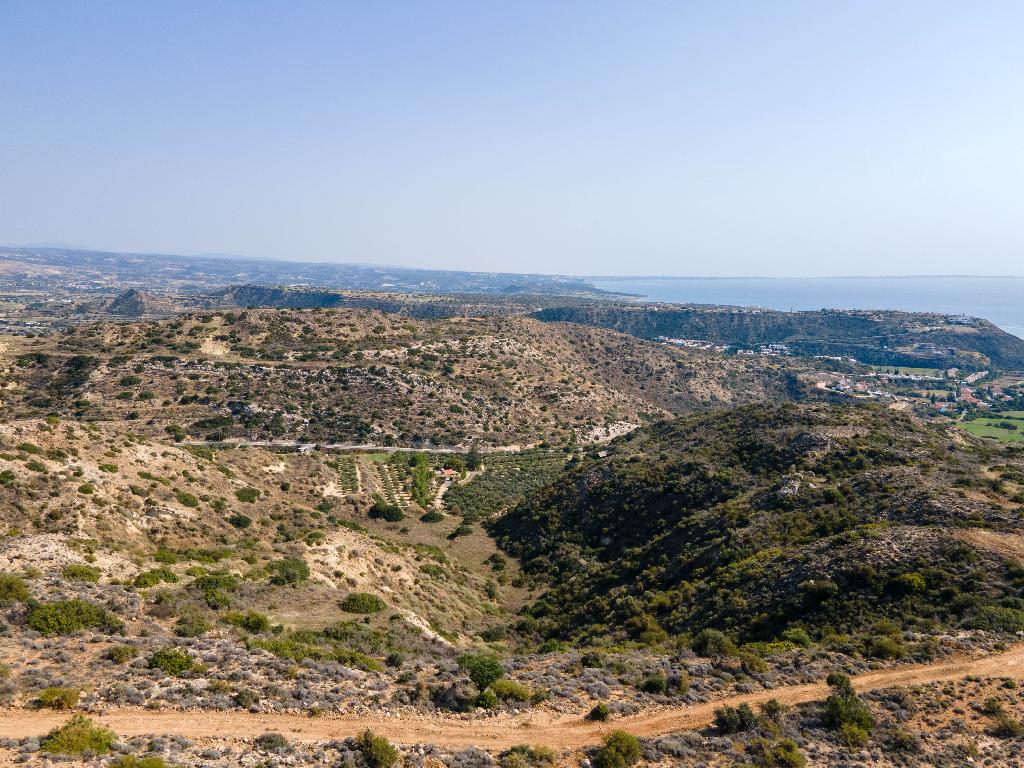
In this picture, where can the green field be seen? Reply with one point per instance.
(994, 427)
(910, 371)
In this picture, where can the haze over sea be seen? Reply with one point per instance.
(997, 299)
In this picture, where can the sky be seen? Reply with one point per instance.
(594, 138)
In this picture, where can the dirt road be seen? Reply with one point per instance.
(496, 733)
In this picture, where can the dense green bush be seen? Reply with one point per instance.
(483, 669)
(12, 589)
(362, 602)
(845, 712)
(654, 684)
(121, 654)
(509, 690)
(186, 499)
(387, 512)
(151, 578)
(192, 625)
(735, 719)
(247, 495)
(783, 753)
(66, 616)
(78, 736)
(619, 750)
(487, 699)
(250, 621)
(377, 750)
(599, 713)
(76, 572)
(289, 570)
(172, 661)
(272, 742)
(58, 698)
(131, 761)
(525, 756)
(711, 642)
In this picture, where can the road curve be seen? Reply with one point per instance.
(494, 733)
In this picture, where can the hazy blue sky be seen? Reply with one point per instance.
(687, 138)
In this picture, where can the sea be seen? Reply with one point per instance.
(999, 300)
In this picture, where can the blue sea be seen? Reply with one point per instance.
(997, 299)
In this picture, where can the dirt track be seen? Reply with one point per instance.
(497, 733)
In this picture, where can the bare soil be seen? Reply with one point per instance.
(494, 733)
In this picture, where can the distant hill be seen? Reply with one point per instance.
(136, 303)
(767, 519)
(873, 337)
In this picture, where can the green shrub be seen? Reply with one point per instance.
(247, 495)
(844, 708)
(58, 698)
(711, 642)
(153, 577)
(783, 753)
(121, 654)
(172, 661)
(911, 582)
(272, 742)
(901, 740)
(250, 621)
(12, 589)
(884, 647)
(165, 556)
(75, 572)
(797, 636)
(487, 699)
(131, 761)
(463, 529)
(66, 616)
(377, 750)
(213, 587)
(654, 684)
(191, 625)
(78, 736)
(619, 750)
(362, 602)
(853, 736)
(290, 570)
(240, 521)
(387, 512)
(524, 756)
(86, 489)
(599, 713)
(735, 719)
(186, 499)
(483, 669)
(509, 690)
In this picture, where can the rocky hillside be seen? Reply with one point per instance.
(358, 375)
(874, 337)
(775, 522)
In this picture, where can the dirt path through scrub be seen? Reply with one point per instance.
(496, 733)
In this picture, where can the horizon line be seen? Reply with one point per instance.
(280, 260)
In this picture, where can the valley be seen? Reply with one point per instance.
(245, 533)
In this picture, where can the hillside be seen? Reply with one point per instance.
(365, 376)
(768, 520)
(873, 337)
